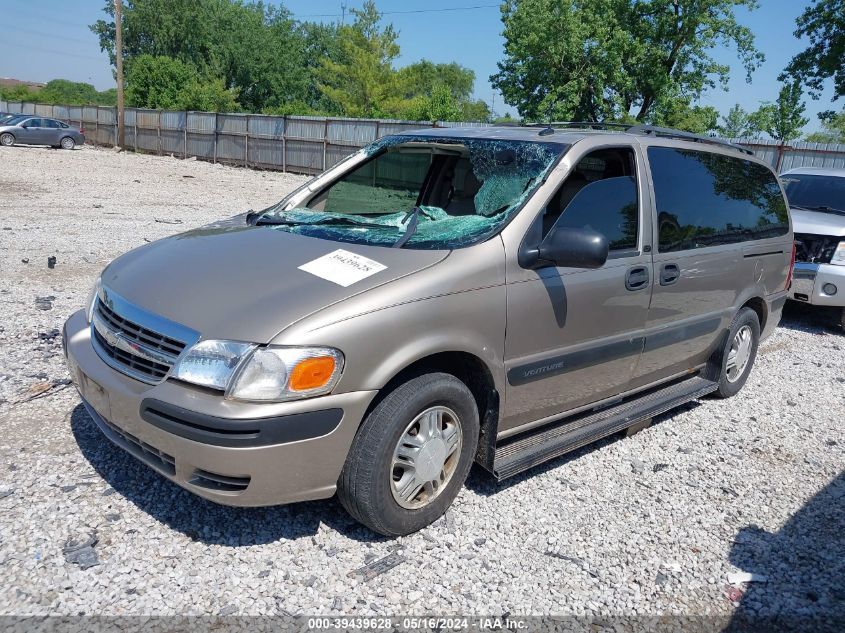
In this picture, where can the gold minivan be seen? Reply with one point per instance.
(497, 295)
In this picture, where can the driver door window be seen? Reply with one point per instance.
(600, 194)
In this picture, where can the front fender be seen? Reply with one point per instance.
(380, 344)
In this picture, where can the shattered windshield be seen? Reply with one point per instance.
(423, 192)
(816, 192)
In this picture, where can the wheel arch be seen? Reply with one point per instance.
(758, 304)
(466, 367)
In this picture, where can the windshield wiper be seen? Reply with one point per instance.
(414, 216)
(333, 221)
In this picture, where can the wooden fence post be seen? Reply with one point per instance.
(246, 144)
(185, 137)
(158, 131)
(284, 143)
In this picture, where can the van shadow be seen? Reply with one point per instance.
(809, 318)
(804, 568)
(481, 482)
(200, 519)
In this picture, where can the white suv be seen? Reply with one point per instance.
(817, 198)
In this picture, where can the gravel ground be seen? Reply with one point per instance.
(657, 523)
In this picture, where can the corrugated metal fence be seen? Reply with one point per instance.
(303, 144)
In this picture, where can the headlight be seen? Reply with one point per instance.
(248, 372)
(91, 301)
(211, 363)
(839, 254)
(287, 373)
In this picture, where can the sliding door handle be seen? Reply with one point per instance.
(669, 274)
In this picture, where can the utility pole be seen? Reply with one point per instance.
(343, 13)
(118, 52)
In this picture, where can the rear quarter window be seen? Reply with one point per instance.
(706, 199)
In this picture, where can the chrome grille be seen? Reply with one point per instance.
(134, 342)
(138, 333)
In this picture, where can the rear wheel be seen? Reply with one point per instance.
(739, 353)
(411, 456)
(68, 143)
(6, 139)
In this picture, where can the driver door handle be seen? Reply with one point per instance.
(636, 278)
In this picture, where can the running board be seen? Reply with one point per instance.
(535, 447)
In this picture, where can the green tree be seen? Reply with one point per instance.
(19, 93)
(75, 93)
(254, 48)
(737, 123)
(823, 24)
(162, 82)
(439, 92)
(440, 105)
(833, 129)
(363, 83)
(678, 114)
(605, 59)
(477, 110)
(784, 119)
(424, 76)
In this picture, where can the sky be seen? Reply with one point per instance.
(51, 40)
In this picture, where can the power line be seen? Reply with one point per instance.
(442, 10)
(52, 35)
(52, 51)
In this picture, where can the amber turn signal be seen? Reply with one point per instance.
(311, 373)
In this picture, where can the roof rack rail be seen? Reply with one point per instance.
(666, 132)
(578, 125)
(645, 130)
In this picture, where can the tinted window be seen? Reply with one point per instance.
(706, 199)
(51, 123)
(33, 123)
(599, 194)
(818, 193)
(608, 206)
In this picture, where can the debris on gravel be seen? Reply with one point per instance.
(654, 524)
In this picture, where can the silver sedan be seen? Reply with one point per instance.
(33, 130)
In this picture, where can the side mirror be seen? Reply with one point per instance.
(573, 248)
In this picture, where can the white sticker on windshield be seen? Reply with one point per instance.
(342, 267)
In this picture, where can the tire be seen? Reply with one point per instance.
(369, 486)
(68, 143)
(7, 139)
(842, 318)
(743, 338)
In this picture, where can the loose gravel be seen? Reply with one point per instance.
(720, 507)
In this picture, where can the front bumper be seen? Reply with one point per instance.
(809, 280)
(234, 453)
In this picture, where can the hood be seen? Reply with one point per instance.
(818, 222)
(245, 283)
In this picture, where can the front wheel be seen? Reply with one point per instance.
(68, 143)
(6, 139)
(411, 455)
(739, 353)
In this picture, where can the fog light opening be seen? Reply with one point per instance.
(829, 289)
